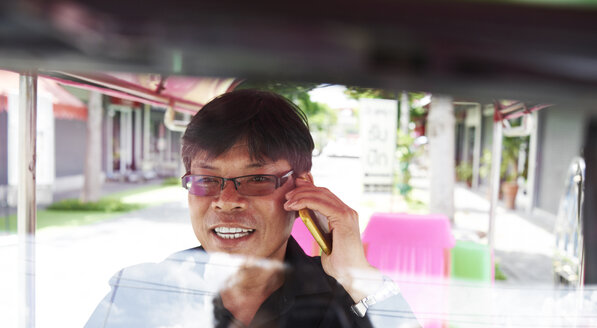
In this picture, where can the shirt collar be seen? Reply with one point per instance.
(305, 275)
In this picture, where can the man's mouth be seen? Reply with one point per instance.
(232, 232)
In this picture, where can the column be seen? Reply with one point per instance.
(440, 131)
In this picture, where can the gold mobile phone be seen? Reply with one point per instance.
(319, 228)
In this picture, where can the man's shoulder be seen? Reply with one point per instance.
(167, 293)
(188, 262)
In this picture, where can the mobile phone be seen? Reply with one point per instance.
(319, 228)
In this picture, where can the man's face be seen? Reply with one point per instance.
(263, 217)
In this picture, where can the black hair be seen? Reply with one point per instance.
(271, 125)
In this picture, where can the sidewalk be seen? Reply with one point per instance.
(523, 243)
(108, 187)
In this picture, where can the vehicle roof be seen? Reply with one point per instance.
(474, 49)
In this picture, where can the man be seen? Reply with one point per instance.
(248, 159)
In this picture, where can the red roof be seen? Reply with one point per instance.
(65, 105)
(184, 94)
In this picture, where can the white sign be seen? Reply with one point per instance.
(378, 135)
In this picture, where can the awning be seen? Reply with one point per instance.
(511, 109)
(65, 105)
(183, 94)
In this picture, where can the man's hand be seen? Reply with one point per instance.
(347, 254)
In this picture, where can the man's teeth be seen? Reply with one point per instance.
(232, 232)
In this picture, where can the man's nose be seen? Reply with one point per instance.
(229, 198)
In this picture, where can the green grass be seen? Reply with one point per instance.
(172, 181)
(129, 192)
(106, 205)
(72, 212)
(59, 218)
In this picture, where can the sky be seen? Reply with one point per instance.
(333, 96)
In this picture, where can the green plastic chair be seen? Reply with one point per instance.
(471, 261)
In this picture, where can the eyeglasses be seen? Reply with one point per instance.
(246, 185)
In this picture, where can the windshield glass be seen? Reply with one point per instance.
(242, 168)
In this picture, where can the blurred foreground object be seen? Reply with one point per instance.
(486, 49)
(411, 247)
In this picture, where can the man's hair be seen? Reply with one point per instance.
(271, 125)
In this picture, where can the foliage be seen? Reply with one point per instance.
(485, 168)
(416, 205)
(320, 115)
(171, 181)
(510, 151)
(464, 171)
(415, 111)
(71, 212)
(359, 92)
(134, 191)
(290, 90)
(405, 148)
(57, 218)
(499, 274)
(406, 152)
(106, 205)
(509, 166)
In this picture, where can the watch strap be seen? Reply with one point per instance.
(389, 289)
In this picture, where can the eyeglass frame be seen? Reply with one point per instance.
(236, 184)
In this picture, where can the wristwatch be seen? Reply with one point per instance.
(388, 290)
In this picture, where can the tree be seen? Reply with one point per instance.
(359, 92)
(320, 115)
(290, 90)
(416, 110)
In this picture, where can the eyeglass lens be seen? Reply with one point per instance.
(253, 185)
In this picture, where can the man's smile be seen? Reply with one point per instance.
(232, 232)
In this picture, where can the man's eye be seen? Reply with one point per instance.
(260, 179)
(207, 180)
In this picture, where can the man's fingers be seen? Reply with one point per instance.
(306, 201)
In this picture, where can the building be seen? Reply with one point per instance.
(142, 120)
(555, 137)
